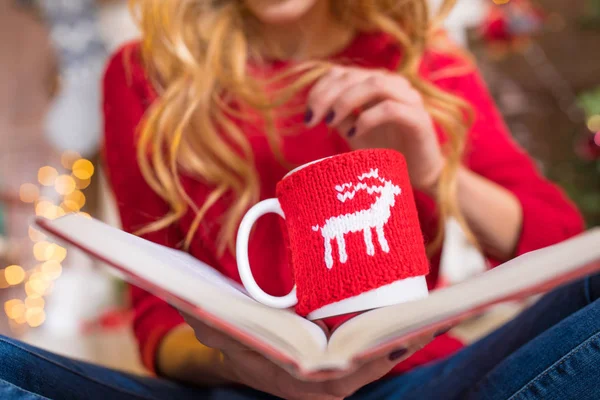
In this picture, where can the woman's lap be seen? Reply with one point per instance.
(552, 350)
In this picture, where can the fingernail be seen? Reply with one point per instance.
(441, 332)
(329, 118)
(352, 132)
(308, 116)
(395, 355)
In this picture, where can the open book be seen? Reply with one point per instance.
(294, 342)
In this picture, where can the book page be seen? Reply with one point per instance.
(193, 286)
(541, 269)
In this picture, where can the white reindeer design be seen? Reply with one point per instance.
(364, 220)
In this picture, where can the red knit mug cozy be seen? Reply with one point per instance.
(352, 233)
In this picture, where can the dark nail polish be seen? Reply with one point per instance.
(395, 355)
(441, 332)
(329, 118)
(352, 132)
(308, 116)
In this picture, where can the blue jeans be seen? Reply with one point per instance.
(550, 351)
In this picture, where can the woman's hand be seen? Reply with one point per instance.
(379, 109)
(243, 366)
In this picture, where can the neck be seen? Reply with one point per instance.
(303, 39)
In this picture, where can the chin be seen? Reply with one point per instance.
(280, 11)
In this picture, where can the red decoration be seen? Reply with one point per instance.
(111, 319)
(511, 24)
(588, 148)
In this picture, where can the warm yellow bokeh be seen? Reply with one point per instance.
(36, 287)
(83, 169)
(3, 283)
(68, 158)
(29, 193)
(35, 317)
(74, 200)
(35, 235)
(35, 301)
(47, 175)
(593, 123)
(14, 274)
(43, 251)
(82, 183)
(46, 209)
(59, 253)
(64, 185)
(51, 269)
(14, 309)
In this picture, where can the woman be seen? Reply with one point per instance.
(222, 98)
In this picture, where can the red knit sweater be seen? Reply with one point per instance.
(548, 215)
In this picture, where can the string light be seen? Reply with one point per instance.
(14, 275)
(68, 158)
(39, 282)
(47, 176)
(3, 283)
(75, 200)
(593, 123)
(35, 235)
(29, 193)
(82, 183)
(51, 269)
(35, 301)
(83, 169)
(42, 251)
(14, 309)
(35, 317)
(46, 209)
(64, 185)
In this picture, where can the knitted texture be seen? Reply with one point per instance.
(352, 226)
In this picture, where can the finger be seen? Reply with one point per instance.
(346, 127)
(321, 99)
(386, 112)
(211, 337)
(373, 89)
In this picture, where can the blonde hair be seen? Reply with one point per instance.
(196, 55)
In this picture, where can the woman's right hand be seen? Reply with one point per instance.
(242, 365)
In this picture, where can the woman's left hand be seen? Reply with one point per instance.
(379, 109)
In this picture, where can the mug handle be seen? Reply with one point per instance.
(243, 263)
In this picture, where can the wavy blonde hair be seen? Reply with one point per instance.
(196, 55)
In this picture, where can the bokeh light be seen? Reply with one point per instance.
(14, 274)
(51, 269)
(82, 183)
(36, 287)
(35, 301)
(68, 158)
(593, 123)
(75, 201)
(59, 253)
(46, 209)
(42, 251)
(35, 235)
(14, 309)
(47, 176)
(35, 317)
(64, 185)
(29, 193)
(83, 169)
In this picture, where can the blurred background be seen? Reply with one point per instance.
(540, 58)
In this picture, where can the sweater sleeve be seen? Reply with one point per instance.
(137, 203)
(548, 215)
